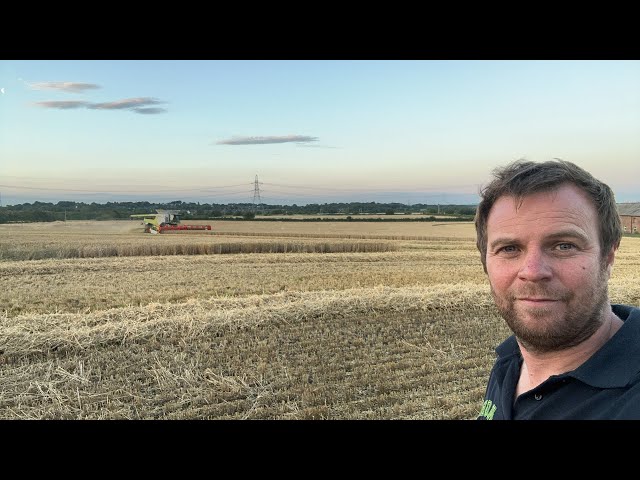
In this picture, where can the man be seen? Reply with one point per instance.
(548, 234)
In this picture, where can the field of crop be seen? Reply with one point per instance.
(252, 320)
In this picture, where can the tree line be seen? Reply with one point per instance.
(67, 210)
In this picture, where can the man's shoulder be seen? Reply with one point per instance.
(628, 405)
(508, 348)
(626, 312)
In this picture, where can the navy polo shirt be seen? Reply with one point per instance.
(605, 387)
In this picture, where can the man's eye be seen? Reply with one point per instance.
(565, 246)
(508, 249)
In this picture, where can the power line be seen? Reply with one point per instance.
(257, 194)
(371, 189)
(133, 189)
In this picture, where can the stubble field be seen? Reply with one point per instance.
(253, 320)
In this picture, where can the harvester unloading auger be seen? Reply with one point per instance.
(165, 220)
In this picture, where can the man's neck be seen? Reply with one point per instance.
(538, 367)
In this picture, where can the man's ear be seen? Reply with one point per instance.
(610, 258)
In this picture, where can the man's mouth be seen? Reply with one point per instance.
(536, 300)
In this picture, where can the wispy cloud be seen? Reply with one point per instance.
(271, 139)
(74, 87)
(63, 104)
(150, 110)
(126, 103)
(137, 105)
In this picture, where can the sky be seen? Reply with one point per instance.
(285, 132)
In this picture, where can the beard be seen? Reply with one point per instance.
(544, 329)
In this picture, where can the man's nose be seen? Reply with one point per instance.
(535, 266)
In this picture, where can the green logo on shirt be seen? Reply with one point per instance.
(488, 409)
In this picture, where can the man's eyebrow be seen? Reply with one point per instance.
(502, 241)
(569, 234)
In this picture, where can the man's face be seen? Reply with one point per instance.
(545, 269)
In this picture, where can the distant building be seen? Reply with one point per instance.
(630, 217)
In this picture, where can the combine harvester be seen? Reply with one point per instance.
(164, 221)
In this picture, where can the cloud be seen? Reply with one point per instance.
(138, 105)
(150, 110)
(74, 87)
(63, 104)
(263, 140)
(125, 103)
(133, 104)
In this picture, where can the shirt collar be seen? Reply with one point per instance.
(618, 360)
(613, 365)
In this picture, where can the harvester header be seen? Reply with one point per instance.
(164, 228)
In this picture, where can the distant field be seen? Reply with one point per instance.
(364, 216)
(120, 227)
(371, 321)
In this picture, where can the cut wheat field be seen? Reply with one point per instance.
(253, 320)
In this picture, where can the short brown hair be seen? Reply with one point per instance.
(521, 178)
